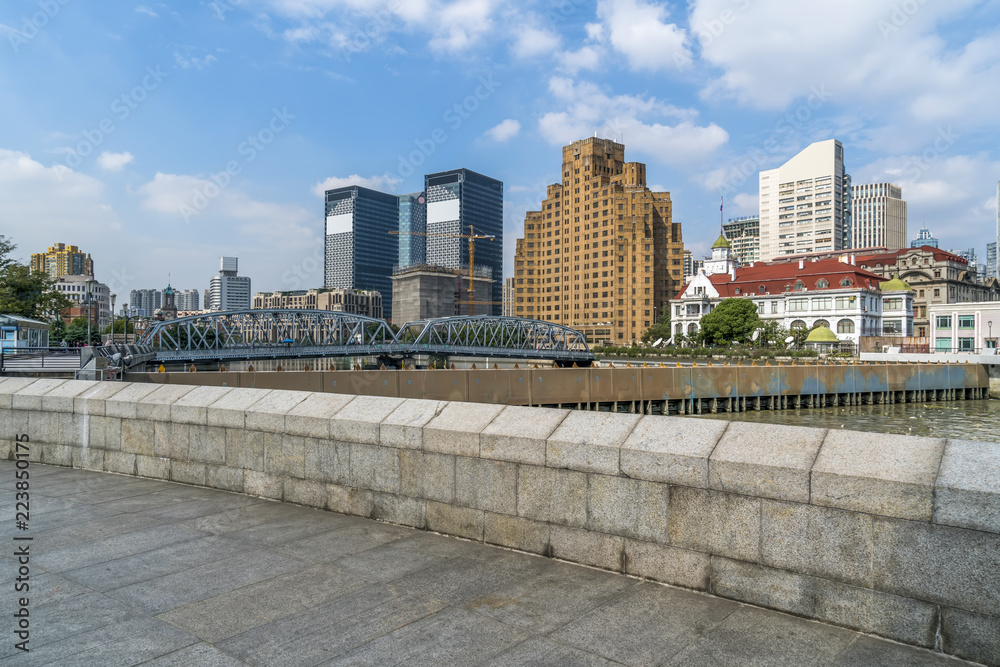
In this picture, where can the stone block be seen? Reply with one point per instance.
(327, 461)
(92, 401)
(13, 423)
(55, 455)
(192, 408)
(311, 418)
(427, 475)
(74, 429)
(156, 405)
(678, 567)
(359, 420)
(343, 499)
(173, 441)
(245, 449)
(153, 467)
(60, 398)
(285, 454)
(10, 386)
(105, 432)
(399, 509)
(967, 492)
(971, 636)
(590, 441)
(225, 478)
(375, 468)
(88, 458)
(551, 495)
(820, 541)
(461, 521)
(763, 586)
(715, 522)
(229, 411)
(305, 492)
(403, 428)
(119, 462)
(43, 427)
(188, 473)
(456, 430)
(583, 546)
(206, 444)
(486, 485)
(268, 414)
(137, 436)
(515, 533)
(29, 397)
(765, 460)
(891, 475)
(627, 507)
(671, 449)
(956, 567)
(902, 619)
(263, 485)
(124, 403)
(520, 434)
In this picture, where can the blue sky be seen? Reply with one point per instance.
(160, 136)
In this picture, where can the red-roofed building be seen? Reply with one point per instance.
(803, 294)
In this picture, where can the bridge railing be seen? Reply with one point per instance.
(54, 359)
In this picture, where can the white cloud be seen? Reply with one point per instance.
(638, 30)
(532, 42)
(589, 109)
(194, 62)
(114, 161)
(589, 57)
(143, 9)
(383, 183)
(504, 131)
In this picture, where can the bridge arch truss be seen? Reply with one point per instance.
(496, 337)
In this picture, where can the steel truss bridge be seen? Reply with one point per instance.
(272, 334)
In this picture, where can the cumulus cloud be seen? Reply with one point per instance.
(114, 161)
(531, 42)
(194, 62)
(639, 30)
(504, 131)
(383, 183)
(638, 119)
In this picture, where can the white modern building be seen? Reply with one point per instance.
(851, 301)
(878, 216)
(80, 289)
(965, 327)
(805, 204)
(228, 291)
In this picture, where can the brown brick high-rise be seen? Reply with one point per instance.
(602, 256)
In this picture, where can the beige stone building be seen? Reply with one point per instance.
(356, 302)
(602, 255)
(423, 291)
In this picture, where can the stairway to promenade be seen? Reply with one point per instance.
(127, 571)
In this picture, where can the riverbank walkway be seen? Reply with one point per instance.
(127, 571)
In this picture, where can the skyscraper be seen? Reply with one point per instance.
(805, 204)
(991, 260)
(62, 260)
(228, 291)
(360, 251)
(924, 238)
(459, 202)
(412, 223)
(744, 237)
(878, 216)
(601, 255)
(148, 301)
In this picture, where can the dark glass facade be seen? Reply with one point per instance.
(412, 220)
(460, 200)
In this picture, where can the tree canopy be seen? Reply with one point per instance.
(661, 328)
(732, 321)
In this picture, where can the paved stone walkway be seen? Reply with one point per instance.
(127, 571)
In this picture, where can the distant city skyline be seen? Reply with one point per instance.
(213, 132)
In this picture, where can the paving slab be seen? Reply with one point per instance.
(163, 574)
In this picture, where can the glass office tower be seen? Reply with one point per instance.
(458, 200)
(412, 220)
(360, 251)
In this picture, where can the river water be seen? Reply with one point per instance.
(966, 420)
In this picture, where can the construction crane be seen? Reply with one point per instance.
(471, 236)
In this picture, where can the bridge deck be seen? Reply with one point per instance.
(125, 571)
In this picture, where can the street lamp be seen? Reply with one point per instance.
(90, 306)
(990, 325)
(112, 295)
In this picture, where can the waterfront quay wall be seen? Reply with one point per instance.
(642, 390)
(896, 536)
(989, 362)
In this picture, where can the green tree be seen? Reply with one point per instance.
(661, 329)
(25, 293)
(732, 321)
(772, 333)
(76, 332)
(57, 331)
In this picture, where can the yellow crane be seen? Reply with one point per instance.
(471, 236)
